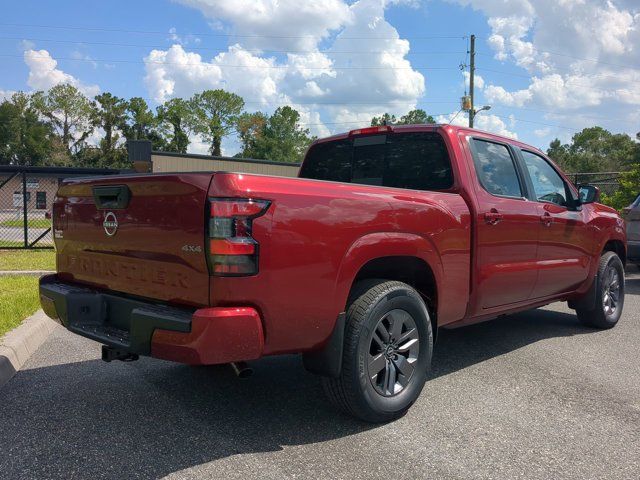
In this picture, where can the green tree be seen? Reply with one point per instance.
(176, 118)
(558, 152)
(215, 116)
(385, 119)
(250, 128)
(628, 190)
(24, 138)
(109, 114)
(595, 149)
(282, 139)
(414, 117)
(69, 112)
(140, 123)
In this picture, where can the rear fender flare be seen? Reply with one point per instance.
(380, 245)
(327, 360)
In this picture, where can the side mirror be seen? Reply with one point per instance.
(588, 194)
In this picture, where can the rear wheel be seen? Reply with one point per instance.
(609, 294)
(387, 352)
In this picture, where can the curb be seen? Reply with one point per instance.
(22, 273)
(17, 346)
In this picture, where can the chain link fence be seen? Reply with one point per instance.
(607, 182)
(26, 197)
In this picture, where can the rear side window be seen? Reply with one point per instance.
(417, 161)
(496, 168)
(329, 161)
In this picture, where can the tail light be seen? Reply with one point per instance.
(232, 250)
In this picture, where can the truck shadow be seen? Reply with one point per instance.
(460, 348)
(632, 284)
(152, 418)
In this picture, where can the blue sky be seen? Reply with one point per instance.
(547, 68)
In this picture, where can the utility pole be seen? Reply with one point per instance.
(472, 73)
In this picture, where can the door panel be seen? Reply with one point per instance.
(507, 228)
(565, 241)
(507, 251)
(563, 251)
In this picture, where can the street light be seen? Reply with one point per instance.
(473, 112)
(486, 107)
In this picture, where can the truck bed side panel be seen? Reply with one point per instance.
(306, 235)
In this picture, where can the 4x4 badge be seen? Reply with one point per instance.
(110, 224)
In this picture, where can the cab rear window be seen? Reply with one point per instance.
(417, 161)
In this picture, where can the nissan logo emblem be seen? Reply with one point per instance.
(110, 224)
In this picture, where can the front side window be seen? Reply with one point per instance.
(548, 185)
(496, 169)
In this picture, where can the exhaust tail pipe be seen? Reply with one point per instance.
(241, 369)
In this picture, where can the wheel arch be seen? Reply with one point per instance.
(413, 271)
(409, 258)
(618, 247)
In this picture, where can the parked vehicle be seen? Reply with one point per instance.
(389, 234)
(632, 217)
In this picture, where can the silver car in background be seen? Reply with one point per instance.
(632, 217)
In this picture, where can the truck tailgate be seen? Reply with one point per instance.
(141, 235)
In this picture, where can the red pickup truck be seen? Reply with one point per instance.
(389, 234)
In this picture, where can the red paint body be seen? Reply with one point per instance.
(314, 239)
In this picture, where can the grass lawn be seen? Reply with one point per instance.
(31, 223)
(10, 243)
(18, 300)
(27, 260)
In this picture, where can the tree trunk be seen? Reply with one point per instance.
(215, 147)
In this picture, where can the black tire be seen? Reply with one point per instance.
(602, 315)
(373, 310)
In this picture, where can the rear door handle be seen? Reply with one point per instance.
(546, 219)
(493, 217)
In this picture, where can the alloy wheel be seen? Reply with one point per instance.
(393, 352)
(611, 294)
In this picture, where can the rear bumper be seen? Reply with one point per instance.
(633, 251)
(202, 337)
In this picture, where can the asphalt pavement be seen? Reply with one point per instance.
(532, 395)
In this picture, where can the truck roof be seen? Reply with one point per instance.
(431, 127)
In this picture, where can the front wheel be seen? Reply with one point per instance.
(609, 294)
(387, 352)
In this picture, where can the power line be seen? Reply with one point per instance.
(510, 117)
(570, 71)
(223, 35)
(219, 50)
(593, 117)
(566, 82)
(211, 65)
(573, 57)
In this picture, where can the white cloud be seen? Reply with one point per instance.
(484, 121)
(478, 81)
(582, 56)
(287, 23)
(542, 132)
(497, 94)
(326, 86)
(44, 74)
(184, 40)
(6, 94)
(178, 73)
